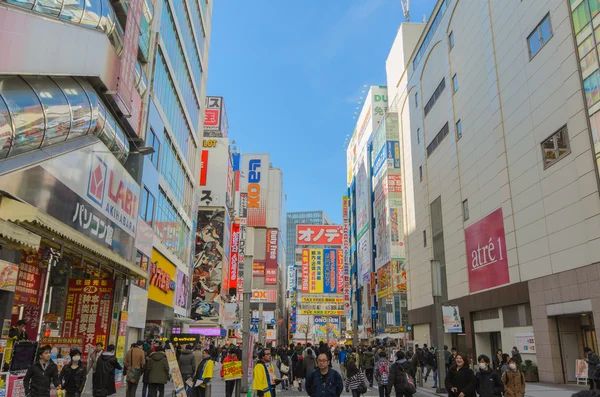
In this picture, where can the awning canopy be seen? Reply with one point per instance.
(18, 238)
(382, 336)
(23, 213)
(397, 335)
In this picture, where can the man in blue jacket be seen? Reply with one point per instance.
(324, 381)
(342, 358)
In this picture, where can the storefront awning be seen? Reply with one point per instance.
(23, 213)
(382, 336)
(397, 335)
(18, 238)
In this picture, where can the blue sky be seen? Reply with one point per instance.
(291, 73)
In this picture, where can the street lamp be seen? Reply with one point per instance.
(436, 280)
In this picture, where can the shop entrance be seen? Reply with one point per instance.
(574, 333)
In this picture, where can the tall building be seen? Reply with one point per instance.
(497, 109)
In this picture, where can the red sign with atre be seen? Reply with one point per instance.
(319, 235)
(233, 261)
(271, 262)
(486, 253)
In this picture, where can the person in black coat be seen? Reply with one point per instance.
(397, 377)
(104, 377)
(460, 381)
(299, 372)
(73, 375)
(41, 375)
(488, 381)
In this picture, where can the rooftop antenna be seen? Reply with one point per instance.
(406, 9)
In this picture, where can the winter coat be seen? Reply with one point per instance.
(382, 371)
(514, 383)
(299, 349)
(197, 358)
(187, 363)
(353, 382)
(309, 364)
(158, 368)
(397, 377)
(135, 358)
(367, 360)
(429, 358)
(104, 377)
(517, 357)
(37, 381)
(420, 358)
(227, 359)
(331, 386)
(463, 379)
(496, 363)
(299, 372)
(73, 380)
(489, 384)
(593, 361)
(93, 360)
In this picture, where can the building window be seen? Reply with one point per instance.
(147, 206)
(543, 32)
(437, 140)
(421, 173)
(458, 130)
(451, 40)
(155, 143)
(434, 97)
(465, 205)
(581, 16)
(517, 316)
(555, 147)
(416, 99)
(424, 238)
(454, 83)
(418, 135)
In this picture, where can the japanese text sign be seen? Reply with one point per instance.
(271, 262)
(486, 252)
(30, 280)
(319, 235)
(316, 271)
(330, 274)
(305, 270)
(232, 370)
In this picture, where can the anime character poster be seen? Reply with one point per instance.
(208, 263)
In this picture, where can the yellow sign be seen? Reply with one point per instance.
(165, 269)
(323, 312)
(232, 370)
(310, 299)
(316, 271)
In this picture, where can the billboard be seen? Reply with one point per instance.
(382, 226)
(209, 257)
(271, 262)
(216, 124)
(255, 184)
(330, 271)
(319, 235)
(327, 327)
(305, 270)
(398, 275)
(346, 252)
(264, 295)
(487, 261)
(398, 250)
(316, 271)
(452, 323)
(214, 167)
(384, 281)
(233, 258)
(363, 254)
(183, 289)
(258, 269)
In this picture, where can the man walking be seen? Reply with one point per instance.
(324, 381)
(262, 379)
(342, 360)
(135, 359)
(41, 375)
(158, 372)
(203, 375)
(368, 363)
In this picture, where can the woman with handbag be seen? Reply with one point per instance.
(355, 380)
(134, 361)
(283, 364)
(299, 373)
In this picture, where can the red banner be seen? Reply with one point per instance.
(305, 270)
(87, 312)
(233, 261)
(30, 281)
(486, 252)
(271, 262)
(319, 235)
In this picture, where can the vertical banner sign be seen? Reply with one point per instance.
(256, 168)
(258, 269)
(29, 290)
(176, 378)
(234, 257)
(120, 354)
(305, 270)
(340, 271)
(271, 262)
(346, 249)
(87, 311)
(330, 273)
(316, 271)
(486, 252)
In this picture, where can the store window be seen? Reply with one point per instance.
(155, 143)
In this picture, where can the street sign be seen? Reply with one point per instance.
(255, 320)
(409, 328)
(373, 312)
(273, 321)
(254, 329)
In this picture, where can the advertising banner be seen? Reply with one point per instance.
(384, 281)
(163, 279)
(271, 262)
(87, 311)
(330, 271)
(120, 352)
(232, 314)
(258, 269)
(214, 166)
(321, 299)
(232, 370)
(29, 290)
(208, 262)
(451, 319)
(382, 226)
(178, 384)
(319, 235)
(399, 275)
(8, 276)
(88, 190)
(327, 327)
(346, 252)
(215, 119)
(340, 272)
(581, 369)
(305, 270)
(264, 295)
(183, 288)
(233, 260)
(322, 312)
(255, 167)
(486, 253)
(396, 236)
(316, 271)
(525, 342)
(394, 183)
(364, 259)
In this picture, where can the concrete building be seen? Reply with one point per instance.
(497, 115)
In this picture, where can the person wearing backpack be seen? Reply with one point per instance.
(401, 377)
(514, 380)
(368, 363)
(382, 373)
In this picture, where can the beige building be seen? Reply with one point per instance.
(500, 175)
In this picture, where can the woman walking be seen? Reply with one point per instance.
(72, 376)
(460, 381)
(355, 380)
(299, 373)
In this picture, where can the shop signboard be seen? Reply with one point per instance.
(330, 271)
(264, 295)
(120, 353)
(178, 384)
(322, 312)
(452, 323)
(214, 163)
(256, 167)
(215, 119)
(87, 190)
(581, 369)
(232, 370)
(327, 327)
(384, 281)
(233, 259)
(258, 269)
(183, 290)
(162, 282)
(8, 276)
(487, 261)
(316, 271)
(186, 339)
(29, 290)
(61, 347)
(340, 271)
(87, 311)
(305, 270)
(319, 235)
(271, 253)
(321, 299)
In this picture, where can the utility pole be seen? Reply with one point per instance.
(246, 321)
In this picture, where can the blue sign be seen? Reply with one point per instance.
(393, 154)
(273, 321)
(330, 263)
(254, 329)
(255, 320)
(373, 312)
